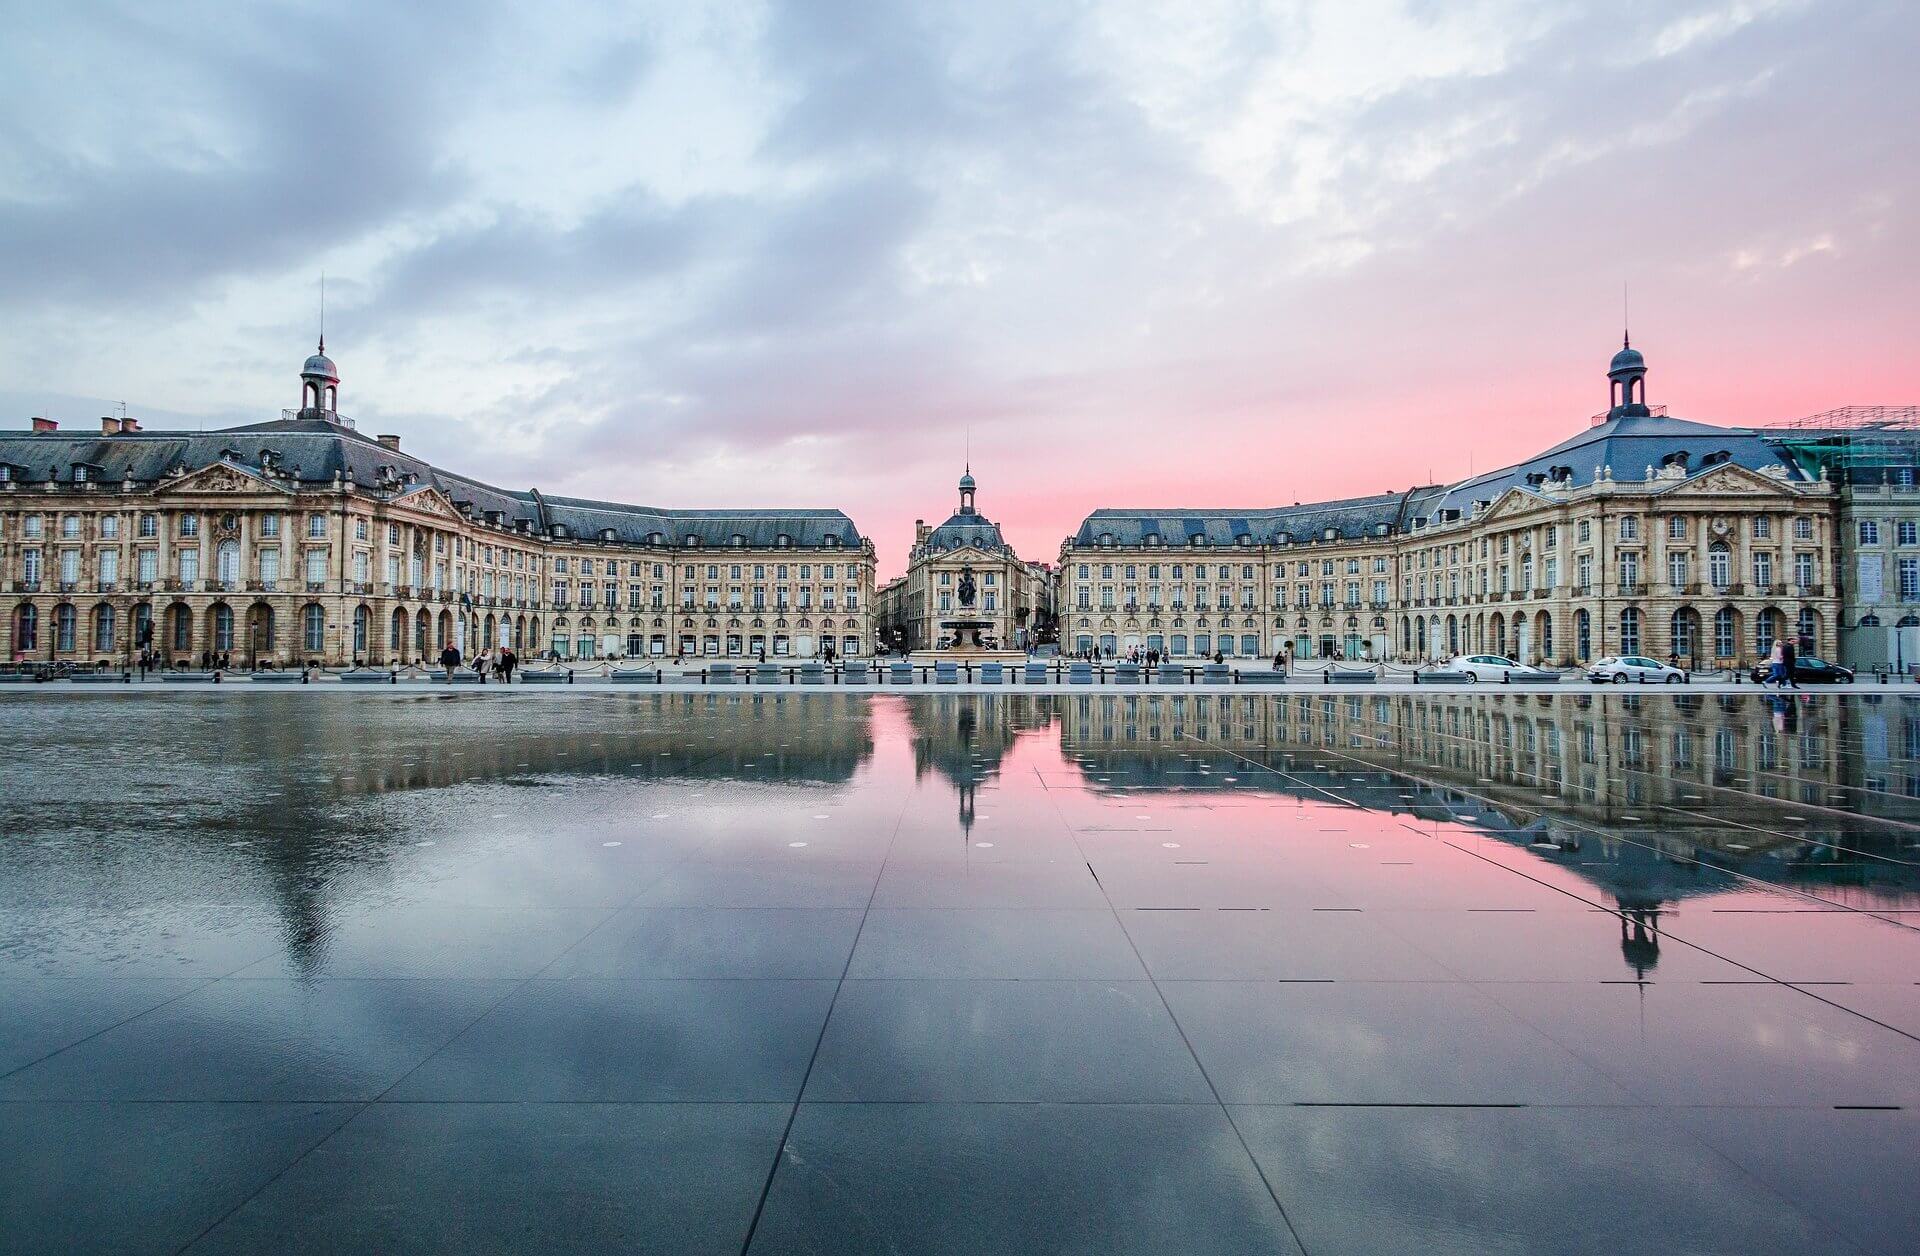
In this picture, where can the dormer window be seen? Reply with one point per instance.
(1197, 540)
(606, 534)
(782, 541)
(739, 540)
(79, 474)
(693, 540)
(1243, 539)
(831, 541)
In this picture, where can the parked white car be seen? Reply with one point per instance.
(1622, 668)
(1480, 667)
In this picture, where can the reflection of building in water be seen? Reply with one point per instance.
(965, 737)
(797, 739)
(1685, 776)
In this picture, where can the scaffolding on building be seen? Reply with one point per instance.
(1853, 444)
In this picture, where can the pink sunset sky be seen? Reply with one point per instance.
(1223, 254)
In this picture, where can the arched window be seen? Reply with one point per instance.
(361, 618)
(1720, 566)
(182, 629)
(1630, 631)
(64, 620)
(226, 563)
(103, 629)
(1682, 630)
(313, 628)
(1766, 630)
(1808, 630)
(397, 635)
(1723, 633)
(1583, 635)
(1546, 636)
(222, 627)
(26, 628)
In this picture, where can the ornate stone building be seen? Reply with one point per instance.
(965, 572)
(302, 538)
(1642, 534)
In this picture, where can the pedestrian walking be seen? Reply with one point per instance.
(1776, 670)
(450, 659)
(1788, 656)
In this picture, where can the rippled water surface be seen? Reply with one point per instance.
(313, 971)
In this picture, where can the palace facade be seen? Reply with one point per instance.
(1644, 534)
(303, 539)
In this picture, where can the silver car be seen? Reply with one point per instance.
(1621, 668)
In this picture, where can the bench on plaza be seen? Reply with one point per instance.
(855, 672)
(16, 678)
(462, 677)
(1035, 674)
(1533, 676)
(1126, 673)
(993, 674)
(276, 678)
(900, 673)
(766, 673)
(557, 676)
(1442, 678)
(946, 673)
(100, 678)
(1080, 673)
(1263, 678)
(633, 675)
(1349, 676)
(1170, 674)
(190, 678)
(719, 673)
(812, 673)
(367, 678)
(1216, 674)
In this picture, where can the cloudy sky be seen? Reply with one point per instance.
(1195, 254)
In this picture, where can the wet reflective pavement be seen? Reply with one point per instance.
(780, 972)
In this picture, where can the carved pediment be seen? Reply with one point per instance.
(429, 500)
(1511, 502)
(222, 477)
(1728, 478)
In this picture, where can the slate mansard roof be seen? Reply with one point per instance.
(961, 530)
(315, 450)
(1351, 517)
(1625, 445)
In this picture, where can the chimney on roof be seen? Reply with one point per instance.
(389, 442)
(129, 424)
(109, 426)
(45, 425)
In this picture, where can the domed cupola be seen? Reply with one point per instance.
(1627, 382)
(320, 382)
(966, 492)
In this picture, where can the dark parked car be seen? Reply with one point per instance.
(1809, 671)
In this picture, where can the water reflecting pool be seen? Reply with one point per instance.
(815, 972)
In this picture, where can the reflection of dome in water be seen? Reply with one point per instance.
(1640, 938)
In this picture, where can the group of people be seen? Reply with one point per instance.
(497, 662)
(1780, 664)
